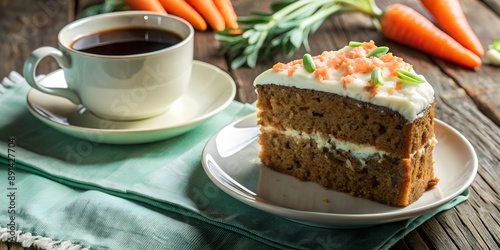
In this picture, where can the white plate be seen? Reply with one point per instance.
(231, 160)
(210, 91)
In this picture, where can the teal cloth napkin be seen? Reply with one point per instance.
(147, 196)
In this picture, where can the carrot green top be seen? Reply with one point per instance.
(362, 71)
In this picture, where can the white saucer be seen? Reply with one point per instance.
(210, 91)
(231, 160)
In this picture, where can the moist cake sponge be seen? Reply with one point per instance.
(353, 145)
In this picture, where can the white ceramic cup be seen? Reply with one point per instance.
(124, 87)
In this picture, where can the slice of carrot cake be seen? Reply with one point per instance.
(357, 120)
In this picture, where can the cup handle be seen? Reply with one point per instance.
(29, 71)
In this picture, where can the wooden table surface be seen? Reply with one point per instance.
(469, 100)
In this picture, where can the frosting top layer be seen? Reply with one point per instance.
(348, 72)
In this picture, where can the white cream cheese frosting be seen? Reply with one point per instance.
(347, 72)
(359, 151)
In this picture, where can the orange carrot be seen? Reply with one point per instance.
(405, 25)
(449, 14)
(209, 12)
(149, 5)
(183, 10)
(226, 9)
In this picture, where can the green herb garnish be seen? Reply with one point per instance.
(284, 30)
(308, 62)
(376, 77)
(493, 53)
(377, 52)
(105, 7)
(355, 44)
(409, 78)
(496, 45)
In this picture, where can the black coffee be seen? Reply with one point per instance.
(127, 41)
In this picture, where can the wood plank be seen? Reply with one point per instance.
(480, 216)
(207, 49)
(14, 246)
(400, 245)
(23, 27)
(414, 240)
(81, 5)
(493, 4)
(438, 235)
(474, 229)
(452, 224)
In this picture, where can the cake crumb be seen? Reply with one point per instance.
(326, 200)
(432, 183)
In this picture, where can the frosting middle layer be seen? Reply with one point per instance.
(358, 151)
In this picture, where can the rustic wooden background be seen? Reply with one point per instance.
(466, 99)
